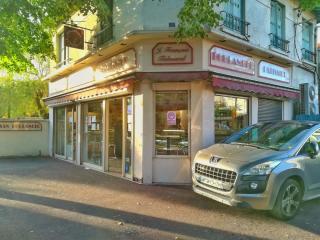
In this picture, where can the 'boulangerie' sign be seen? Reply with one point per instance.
(226, 59)
(20, 126)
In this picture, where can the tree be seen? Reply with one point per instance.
(21, 95)
(27, 26)
(22, 98)
(197, 17)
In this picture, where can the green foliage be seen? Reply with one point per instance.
(197, 17)
(309, 4)
(27, 27)
(22, 98)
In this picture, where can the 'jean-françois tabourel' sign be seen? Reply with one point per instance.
(226, 59)
(20, 126)
(274, 72)
(172, 53)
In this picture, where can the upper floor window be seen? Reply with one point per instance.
(235, 8)
(62, 51)
(106, 27)
(277, 19)
(277, 26)
(307, 41)
(233, 16)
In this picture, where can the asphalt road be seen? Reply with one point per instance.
(50, 199)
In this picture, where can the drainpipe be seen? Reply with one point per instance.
(316, 11)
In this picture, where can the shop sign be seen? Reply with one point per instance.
(20, 126)
(115, 89)
(172, 53)
(223, 58)
(274, 72)
(73, 37)
(116, 65)
(171, 118)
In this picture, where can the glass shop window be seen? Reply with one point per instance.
(231, 115)
(172, 123)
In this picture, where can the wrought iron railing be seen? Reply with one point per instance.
(279, 43)
(308, 55)
(235, 23)
(103, 36)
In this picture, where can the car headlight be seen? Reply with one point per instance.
(262, 169)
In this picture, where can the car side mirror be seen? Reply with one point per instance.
(314, 149)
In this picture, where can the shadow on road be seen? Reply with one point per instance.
(40, 170)
(177, 228)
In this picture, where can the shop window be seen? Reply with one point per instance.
(172, 124)
(65, 132)
(231, 115)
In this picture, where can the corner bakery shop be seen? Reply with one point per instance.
(142, 113)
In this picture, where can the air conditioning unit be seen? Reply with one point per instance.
(307, 99)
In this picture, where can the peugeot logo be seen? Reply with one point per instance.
(214, 159)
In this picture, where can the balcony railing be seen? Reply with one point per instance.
(63, 62)
(279, 43)
(105, 35)
(308, 55)
(235, 23)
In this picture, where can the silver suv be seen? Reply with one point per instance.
(271, 166)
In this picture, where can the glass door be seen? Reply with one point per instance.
(128, 137)
(93, 133)
(115, 136)
(60, 132)
(70, 132)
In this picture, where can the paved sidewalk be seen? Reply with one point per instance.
(50, 199)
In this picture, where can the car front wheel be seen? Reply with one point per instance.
(288, 200)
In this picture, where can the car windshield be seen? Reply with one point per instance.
(279, 136)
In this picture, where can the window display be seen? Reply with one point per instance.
(231, 114)
(171, 135)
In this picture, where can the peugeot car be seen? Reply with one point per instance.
(269, 166)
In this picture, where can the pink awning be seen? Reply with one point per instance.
(242, 86)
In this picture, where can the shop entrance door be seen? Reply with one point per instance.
(119, 135)
(115, 136)
(71, 131)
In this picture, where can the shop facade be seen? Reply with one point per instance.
(143, 112)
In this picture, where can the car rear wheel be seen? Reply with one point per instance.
(288, 200)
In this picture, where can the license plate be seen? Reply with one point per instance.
(211, 182)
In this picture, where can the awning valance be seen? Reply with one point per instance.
(102, 91)
(235, 85)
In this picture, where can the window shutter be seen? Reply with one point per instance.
(237, 8)
(306, 36)
(273, 20)
(279, 21)
(228, 7)
(269, 110)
